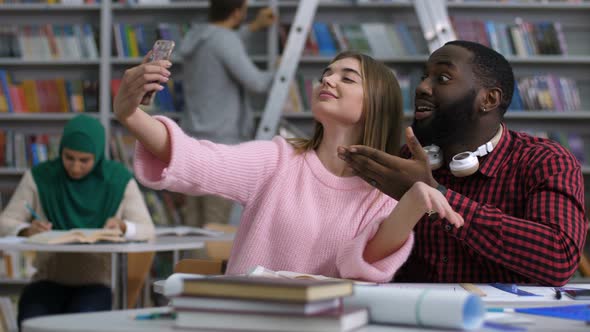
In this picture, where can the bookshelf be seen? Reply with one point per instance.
(571, 18)
(571, 15)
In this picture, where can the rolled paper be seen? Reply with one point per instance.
(419, 307)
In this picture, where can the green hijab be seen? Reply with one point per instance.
(86, 202)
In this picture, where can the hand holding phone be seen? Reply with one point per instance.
(161, 50)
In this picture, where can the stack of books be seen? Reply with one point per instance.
(266, 304)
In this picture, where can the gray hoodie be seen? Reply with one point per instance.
(217, 73)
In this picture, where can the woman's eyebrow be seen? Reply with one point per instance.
(350, 70)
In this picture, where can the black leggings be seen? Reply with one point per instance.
(43, 298)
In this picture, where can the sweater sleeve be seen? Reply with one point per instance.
(351, 264)
(200, 167)
(134, 210)
(15, 216)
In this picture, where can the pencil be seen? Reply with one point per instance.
(32, 211)
(471, 288)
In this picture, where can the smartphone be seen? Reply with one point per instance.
(578, 294)
(162, 50)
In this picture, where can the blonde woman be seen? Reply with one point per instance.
(304, 210)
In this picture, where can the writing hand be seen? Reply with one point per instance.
(136, 82)
(114, 223)
(37, 226)
(390, 174)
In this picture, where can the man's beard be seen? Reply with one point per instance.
(449, 124)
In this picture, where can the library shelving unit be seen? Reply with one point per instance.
(38, 68)
(575, 64)
(102, 68)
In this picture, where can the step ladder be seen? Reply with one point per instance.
(279, 90)
(435, 23)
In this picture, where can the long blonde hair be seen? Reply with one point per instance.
(382, 108)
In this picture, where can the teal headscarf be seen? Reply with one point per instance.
(86, 202)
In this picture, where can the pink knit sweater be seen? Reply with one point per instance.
(297, 215)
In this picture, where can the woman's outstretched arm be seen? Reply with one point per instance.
(136, 82)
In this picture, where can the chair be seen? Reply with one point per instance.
(584, 266)
(138, 268)
(200, 266)
(217, 254)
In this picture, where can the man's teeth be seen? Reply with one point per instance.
(424, 108)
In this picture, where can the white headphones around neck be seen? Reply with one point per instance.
(464, 163)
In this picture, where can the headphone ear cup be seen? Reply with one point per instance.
(435, 158)
(464, 164)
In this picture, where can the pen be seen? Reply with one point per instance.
(473, 289)
(500, 309)
(503, 327)
(156, 315)
(32, 211)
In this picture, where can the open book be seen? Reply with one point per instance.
(261, 271)
(186, 230)
(78, 235)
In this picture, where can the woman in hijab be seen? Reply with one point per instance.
(79, 189)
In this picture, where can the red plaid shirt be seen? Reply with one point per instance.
(524, 219)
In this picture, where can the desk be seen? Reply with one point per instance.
(119, 253)
(122, 321)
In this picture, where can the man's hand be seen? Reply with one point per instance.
(390, 174)
(265, 18)
(37, 226)
(114, 223)
(136, 82)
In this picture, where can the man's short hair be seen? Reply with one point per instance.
(491, 69)
(220, 10)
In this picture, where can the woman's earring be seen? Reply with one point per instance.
(483, 109)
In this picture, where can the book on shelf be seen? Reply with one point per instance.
(136, 40)
(248, 306)
(49, 41)
(382, 40)
(260, 288)
(520, 38)
(56, 95)
(77, 235)
(346, 319)
(20, 150)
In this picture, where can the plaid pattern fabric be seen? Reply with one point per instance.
(524, 219)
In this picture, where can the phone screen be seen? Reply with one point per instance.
(161, 50)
